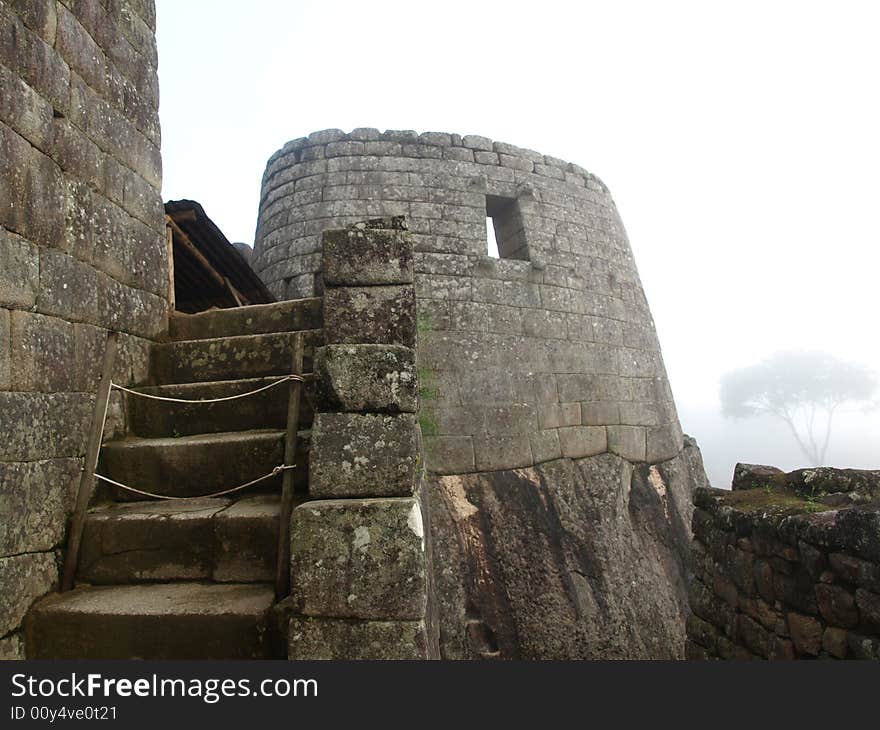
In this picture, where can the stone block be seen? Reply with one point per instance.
(368, 378)
(600, 413)
(580, 441)
(344, 148)
(43, 425)
(781, 649)
(357, 455)
(34, 59)
(834, 641)
(5, 350)
(837, 605)
(452, 420)
(24, 578)
(869, 609)
(333, 638)
(19, 271)
(476, 142)
(35, 499)
(510, 419)
(358, 558)
(806, 633)
(380, 315)
(639, 414)
(44, 349)
(38, 15)
(12, 648)
(68, 288)
(628, 442)
(326, 136)
(25, 111)
(450, 454)
(545, 445)
(367, 257)
(863, 647)
(33, 199)
(753, 636)
(556, 415)
(502, 452)
(664, 442)
(246, 535)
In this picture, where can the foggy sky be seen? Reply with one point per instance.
(739, 140)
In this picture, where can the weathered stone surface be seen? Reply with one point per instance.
(12, 647)
(358, 558)
(201, 464)
(266, 409)
(450, 454)
(368, 378)
(330, 638)
(362, 455)
(834, 641)
(158, 621)
(130, 543)
(230, 358)
(19, 271)
(750, 476)
(81, 250)
(288, 316)
(367, 257)
(5, 351)
(25, 578)
(837, 605)
(246, 539)
(863, 647)
(809, 562)
(380, 315)
(755, 638)
(579, 441)
(869, 609)
(570, 559)
(806, 633)
(502, 452)
(35, 499)
(43, 425)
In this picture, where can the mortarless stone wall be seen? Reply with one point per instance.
(528, 359)
(81, 251)
(787, 566)
(560, 483)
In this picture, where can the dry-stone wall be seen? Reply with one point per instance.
(547, 354)
(360, 549)
(560, 483)
(787, 566)
(81, 252)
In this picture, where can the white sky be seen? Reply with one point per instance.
(741, 141)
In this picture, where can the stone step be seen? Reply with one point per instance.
(153, 621)
(267, 409)
(258, 319)
(230, 358)
(224, 540)
(202, 464)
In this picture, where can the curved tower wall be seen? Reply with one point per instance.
(547, 352)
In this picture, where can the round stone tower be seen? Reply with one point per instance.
(541, 376)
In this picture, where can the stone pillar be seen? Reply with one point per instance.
(360, 571)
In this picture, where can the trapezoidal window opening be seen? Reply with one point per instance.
(505, 238)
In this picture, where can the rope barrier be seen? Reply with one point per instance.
(275, 471)
(284, 379)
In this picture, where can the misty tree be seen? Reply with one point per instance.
(804, 390)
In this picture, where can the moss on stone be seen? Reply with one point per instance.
(769, 499)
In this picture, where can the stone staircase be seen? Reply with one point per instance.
(191, 579)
